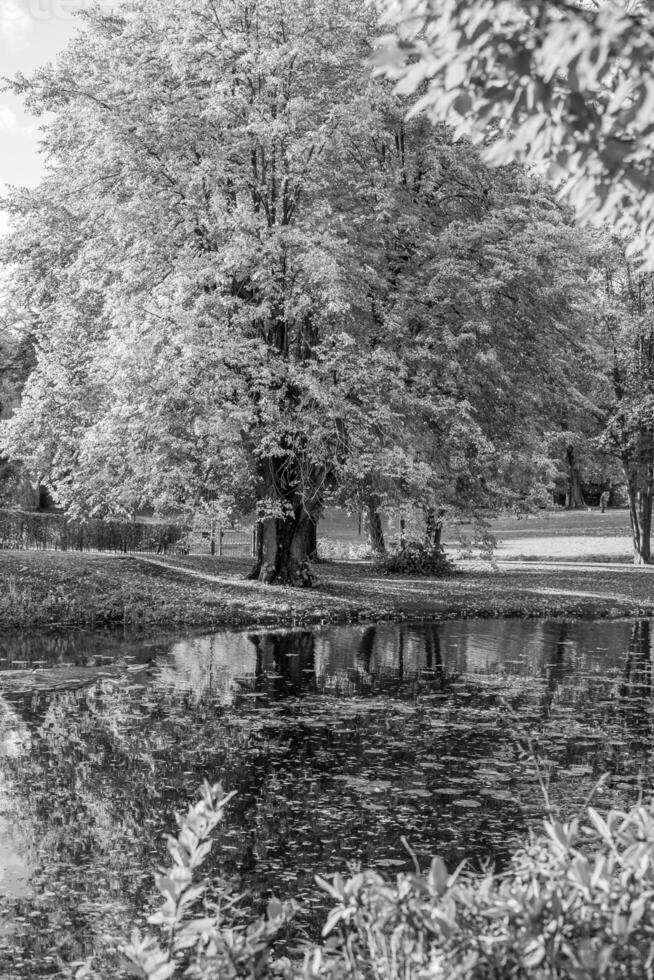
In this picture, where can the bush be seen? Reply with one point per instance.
(416, 559)
(208, 945)
(576, 903)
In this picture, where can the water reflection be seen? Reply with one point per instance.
(637, 683)
(339, 742)
(398, 659)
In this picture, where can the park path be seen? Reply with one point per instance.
(204, 576)
(511, 564)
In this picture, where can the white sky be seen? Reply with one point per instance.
(31, 34)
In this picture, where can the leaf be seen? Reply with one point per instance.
(438, 876)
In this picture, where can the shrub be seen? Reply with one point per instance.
(576, 903)
(416, 559)
(206, 945)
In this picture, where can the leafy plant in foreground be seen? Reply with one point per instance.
(204, 945)
(575, 903)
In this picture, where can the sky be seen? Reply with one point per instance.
(31, 34)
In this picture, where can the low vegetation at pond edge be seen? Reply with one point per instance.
(576, 903)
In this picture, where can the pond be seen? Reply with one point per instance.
(339, 742)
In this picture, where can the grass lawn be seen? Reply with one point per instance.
(565, 536)
(58, 590)
(560, 535)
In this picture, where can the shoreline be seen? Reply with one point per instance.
(55, 592)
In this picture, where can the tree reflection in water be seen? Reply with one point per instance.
(289, 658)
(637, 682)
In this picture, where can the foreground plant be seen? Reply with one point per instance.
(206, 944)
(577, 903)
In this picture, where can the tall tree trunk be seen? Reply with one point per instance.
(284, 549)
(434, 529)
(258, 551)
(375, 526)
(312, 547)
(640, 492)
(574, 497)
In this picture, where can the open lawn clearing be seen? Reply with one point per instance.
(564, 536)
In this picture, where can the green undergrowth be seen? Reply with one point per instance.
(417, 559)
(575, 902)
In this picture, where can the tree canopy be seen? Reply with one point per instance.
(566, 85)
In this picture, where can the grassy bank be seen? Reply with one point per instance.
(54, 590)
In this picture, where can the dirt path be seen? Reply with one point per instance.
(565, 566)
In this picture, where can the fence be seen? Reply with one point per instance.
(221, 542)
(54, 532)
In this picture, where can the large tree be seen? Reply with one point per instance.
(191, 276)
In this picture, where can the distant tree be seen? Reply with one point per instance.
(483, 281)
(566, 85)
(627, 324)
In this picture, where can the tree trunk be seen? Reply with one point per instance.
(258, 552)
(574, 497)
(375, 526)
(283, 549)
(640, 495)
(312, 547)
(433, 529)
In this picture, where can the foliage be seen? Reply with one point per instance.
(483, 283)
(16, 362)
(416, 558)
(207, 945)
(576, 903)
(566, 85)
(221, 361)
(480, 541)
(103, 767)
(622, 385)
